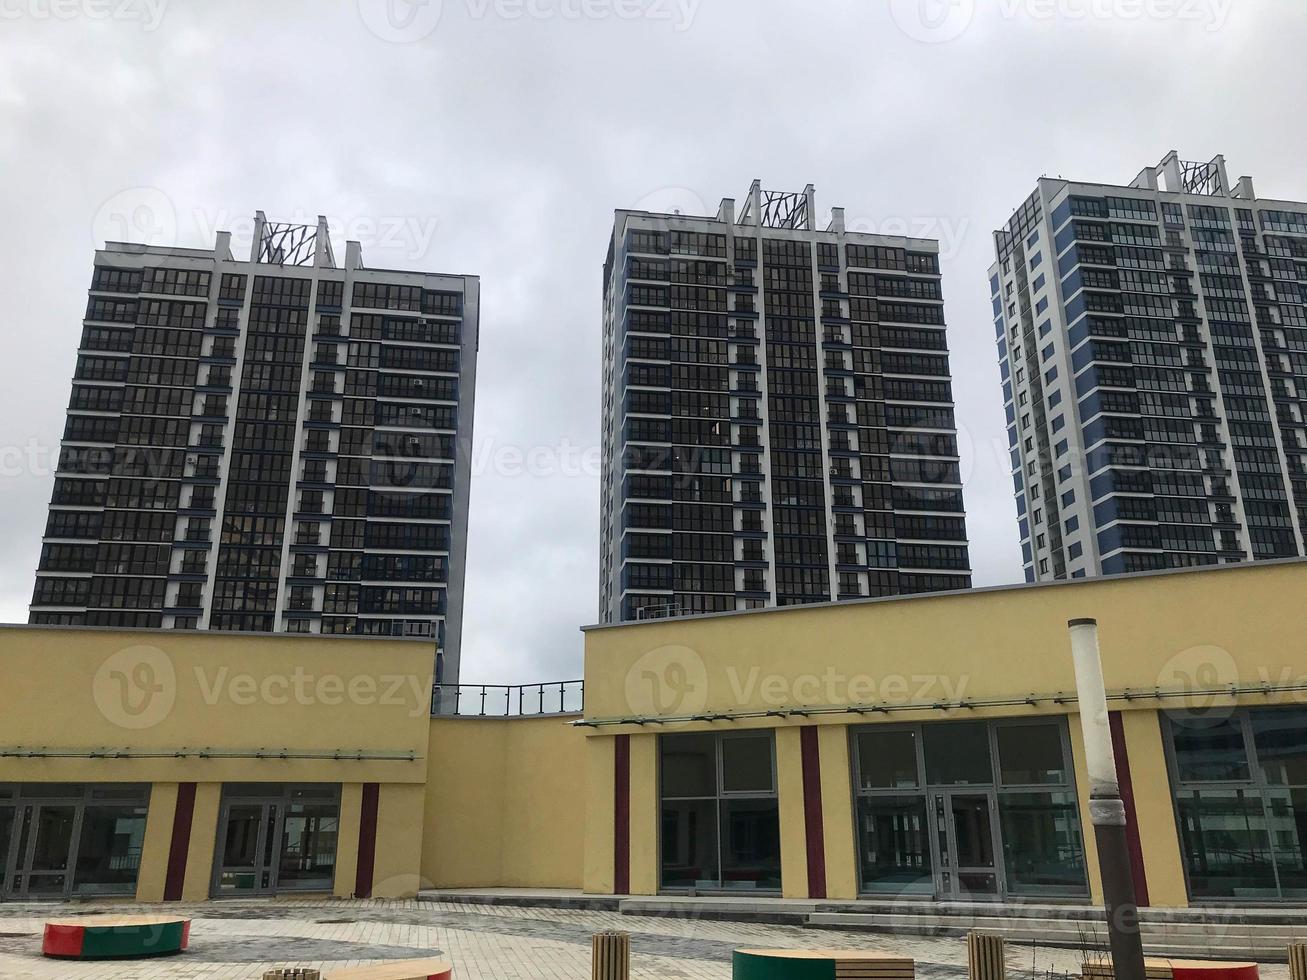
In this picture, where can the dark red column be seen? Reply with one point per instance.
(622, 815)
(1133, 843)
(367, 850)
(180, 845)
(813, 833)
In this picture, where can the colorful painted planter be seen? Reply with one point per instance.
(819, 964)
(430, 969)
(1162, 968)
(93, 937)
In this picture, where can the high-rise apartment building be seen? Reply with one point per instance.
(1153, 344)
(778, 416)
(279, 445)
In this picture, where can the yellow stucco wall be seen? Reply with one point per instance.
(644, 815)
(157, 843)
(1154, 808)
(398, 869)
(1235, 623)
(600, 792)
(789, 786)
(347, 842)
(837, 814)
(503, 801)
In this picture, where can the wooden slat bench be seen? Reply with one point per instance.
(820, 964)
(428, 969)
(92, 937)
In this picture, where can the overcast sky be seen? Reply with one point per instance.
(496, 137)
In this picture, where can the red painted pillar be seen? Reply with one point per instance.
(367, 851)
(622, 815)
(813, 833)
(1133, 842)
(180, 845)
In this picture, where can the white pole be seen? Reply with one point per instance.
(1094, 725)
(1106, 810)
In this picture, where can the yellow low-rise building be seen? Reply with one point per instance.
(920, 747)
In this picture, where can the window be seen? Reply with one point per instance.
(1240, 784)
(720, 821)
(921, 786)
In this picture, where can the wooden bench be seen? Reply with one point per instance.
(90, 937)
(1164, 968)
(819, 964)
(429, 969)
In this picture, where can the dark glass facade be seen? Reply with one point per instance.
(778, 418)
(265, 446)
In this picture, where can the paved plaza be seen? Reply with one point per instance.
(242, 939)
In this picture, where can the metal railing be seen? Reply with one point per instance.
(508, 700)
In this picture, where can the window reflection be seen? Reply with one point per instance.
(720, 824)
(989, 810)
(1240, 785)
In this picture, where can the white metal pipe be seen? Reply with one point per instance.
(1092, 696)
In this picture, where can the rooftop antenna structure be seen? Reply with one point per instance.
(287, 244)
(779, 209)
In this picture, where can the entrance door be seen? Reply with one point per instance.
(245, 865)
(39, 859)
(966, 846)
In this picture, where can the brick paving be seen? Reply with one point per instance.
(239, 939)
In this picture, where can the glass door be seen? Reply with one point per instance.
(275, 837)
(38, 865)
(966, 845)
(248, 838)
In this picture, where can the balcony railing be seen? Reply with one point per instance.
(508, 700)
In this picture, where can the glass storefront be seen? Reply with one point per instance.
(276, 837)
(720, 821)
(968, 810)
(60, 840)
(1240, 785)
